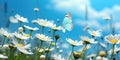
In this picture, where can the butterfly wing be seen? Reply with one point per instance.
(67, 22)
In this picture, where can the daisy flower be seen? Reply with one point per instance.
(42, 22)
(77, 55)
(54, 27)
(48, 49)
(30, 28)
(42, 57)
(20, 29)
(91, 56)
(57, 57)
(23, 48)
(88, 40)
(43, 37)
(113, 39)
(36, 9)
(96, 33)
(101, 58)
(20, 18)
(21, 36)
(13, 20)
(74, 42)
(6, 46)
(3, 56)
(5, 33)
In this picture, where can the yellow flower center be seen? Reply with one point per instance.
(74, 43)
(54, 27)
(93, 33)
(27, 35)
(21, 45)
(87, 41)
(43, 38)
(102, 53)
(77, 55)
(114, 41)
(44, 24)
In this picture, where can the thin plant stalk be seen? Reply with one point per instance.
(83, 51)
(71, 55)
(3, 40)
(111, 57)
(42, 29)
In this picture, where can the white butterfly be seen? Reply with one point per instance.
(67, 22)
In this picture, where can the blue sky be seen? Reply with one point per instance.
(56, 9)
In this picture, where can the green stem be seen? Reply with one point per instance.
(17, 57)
(112, 52)
(71, 55)
(50, 44)
(42, 29)
(3, 41)
(83, 52)
(11, 54)
(55, 43)
(46, 55)
(41, 44)
(53, 34)
(20, 24)
(52, 38)
(31, 32)
(30, 35)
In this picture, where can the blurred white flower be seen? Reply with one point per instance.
(49, 49)
(23, 48)
(20, 18)
(103, 45)
(42, 57)
(60, 51)
(20, 29)
(17, 18)
(5, 33)
(91, 56)
(30, 28)
(3, 56)
(41, 50)
(57, 57)
(74, 42)
(36, 9)
(113, 39)
(54, 27)
(88, 40)
(21, 36)
(65, 45)
(6, 46)
(101, 58)
(96, 33)
(107, 18)
(13, 19)
(43, 37)
(58, 47)
(116, 50)
(42, 22)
